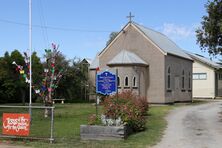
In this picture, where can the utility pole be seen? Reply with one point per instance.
(30, 57)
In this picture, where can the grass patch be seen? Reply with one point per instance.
(69, 117)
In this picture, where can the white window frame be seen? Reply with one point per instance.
(198, 76)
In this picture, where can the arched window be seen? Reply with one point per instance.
(126, 81)
(134, 82)
(118, 81)
(183, 79)
(168, 78)
(189, 80)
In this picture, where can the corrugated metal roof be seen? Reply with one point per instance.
(126, 57)
(95, 63)
(204, 60)
(87, 60)
(162, 41)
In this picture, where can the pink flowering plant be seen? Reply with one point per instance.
(127, 107)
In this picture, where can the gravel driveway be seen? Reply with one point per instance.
(197, 126)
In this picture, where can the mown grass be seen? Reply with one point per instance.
(69, 117)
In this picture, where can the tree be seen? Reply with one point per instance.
(21, 73)
(37, 72)
(209, 35)
(72, 83)
(13, 88)
(20, 86)
(53, 72)
(111, 37)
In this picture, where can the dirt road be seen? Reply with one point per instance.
(194, 127)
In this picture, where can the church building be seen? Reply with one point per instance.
(148, 64)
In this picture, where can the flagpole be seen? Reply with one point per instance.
(30, 57)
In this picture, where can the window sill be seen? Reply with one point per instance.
(126, 87)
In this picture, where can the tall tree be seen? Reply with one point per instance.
(209, 35)
(11, 84)
(18, 80)
(71, 84)
(37, 72)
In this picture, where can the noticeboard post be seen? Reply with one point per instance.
(106, 83)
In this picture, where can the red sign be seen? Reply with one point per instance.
(15, 124)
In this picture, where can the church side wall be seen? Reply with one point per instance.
(135, 42)
(176, 92)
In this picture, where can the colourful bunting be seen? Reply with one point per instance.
(46, 70)
(21, 71)
(49, 89)
(43, 88)
(37, 91)
(53, 46)
(51, 75)
(14, 63)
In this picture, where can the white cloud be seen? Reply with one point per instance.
(178, 32)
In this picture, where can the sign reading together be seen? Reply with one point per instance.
(15, 124)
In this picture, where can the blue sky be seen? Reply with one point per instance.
(82, 27)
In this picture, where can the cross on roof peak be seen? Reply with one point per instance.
(130, 17)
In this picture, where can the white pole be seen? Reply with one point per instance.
(30, 56)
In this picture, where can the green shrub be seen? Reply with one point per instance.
(129, 107)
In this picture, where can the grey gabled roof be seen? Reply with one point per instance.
(204, 60)
(127, 58)
(162, 41)
(89, 61)
(95, 63)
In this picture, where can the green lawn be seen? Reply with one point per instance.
(69, 117)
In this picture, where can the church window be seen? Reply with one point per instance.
(183, 79)
(168, 78)
(126, 81)
(134, 82)
(189, 80)
(118, 81)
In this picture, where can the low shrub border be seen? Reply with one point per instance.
(123, 114)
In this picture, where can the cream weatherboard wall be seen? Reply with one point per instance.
(203, 88)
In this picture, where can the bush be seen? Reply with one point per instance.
(129, 107)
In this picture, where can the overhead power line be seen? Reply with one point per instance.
(53, 27)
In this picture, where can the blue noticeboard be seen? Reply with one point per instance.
(106, 83)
